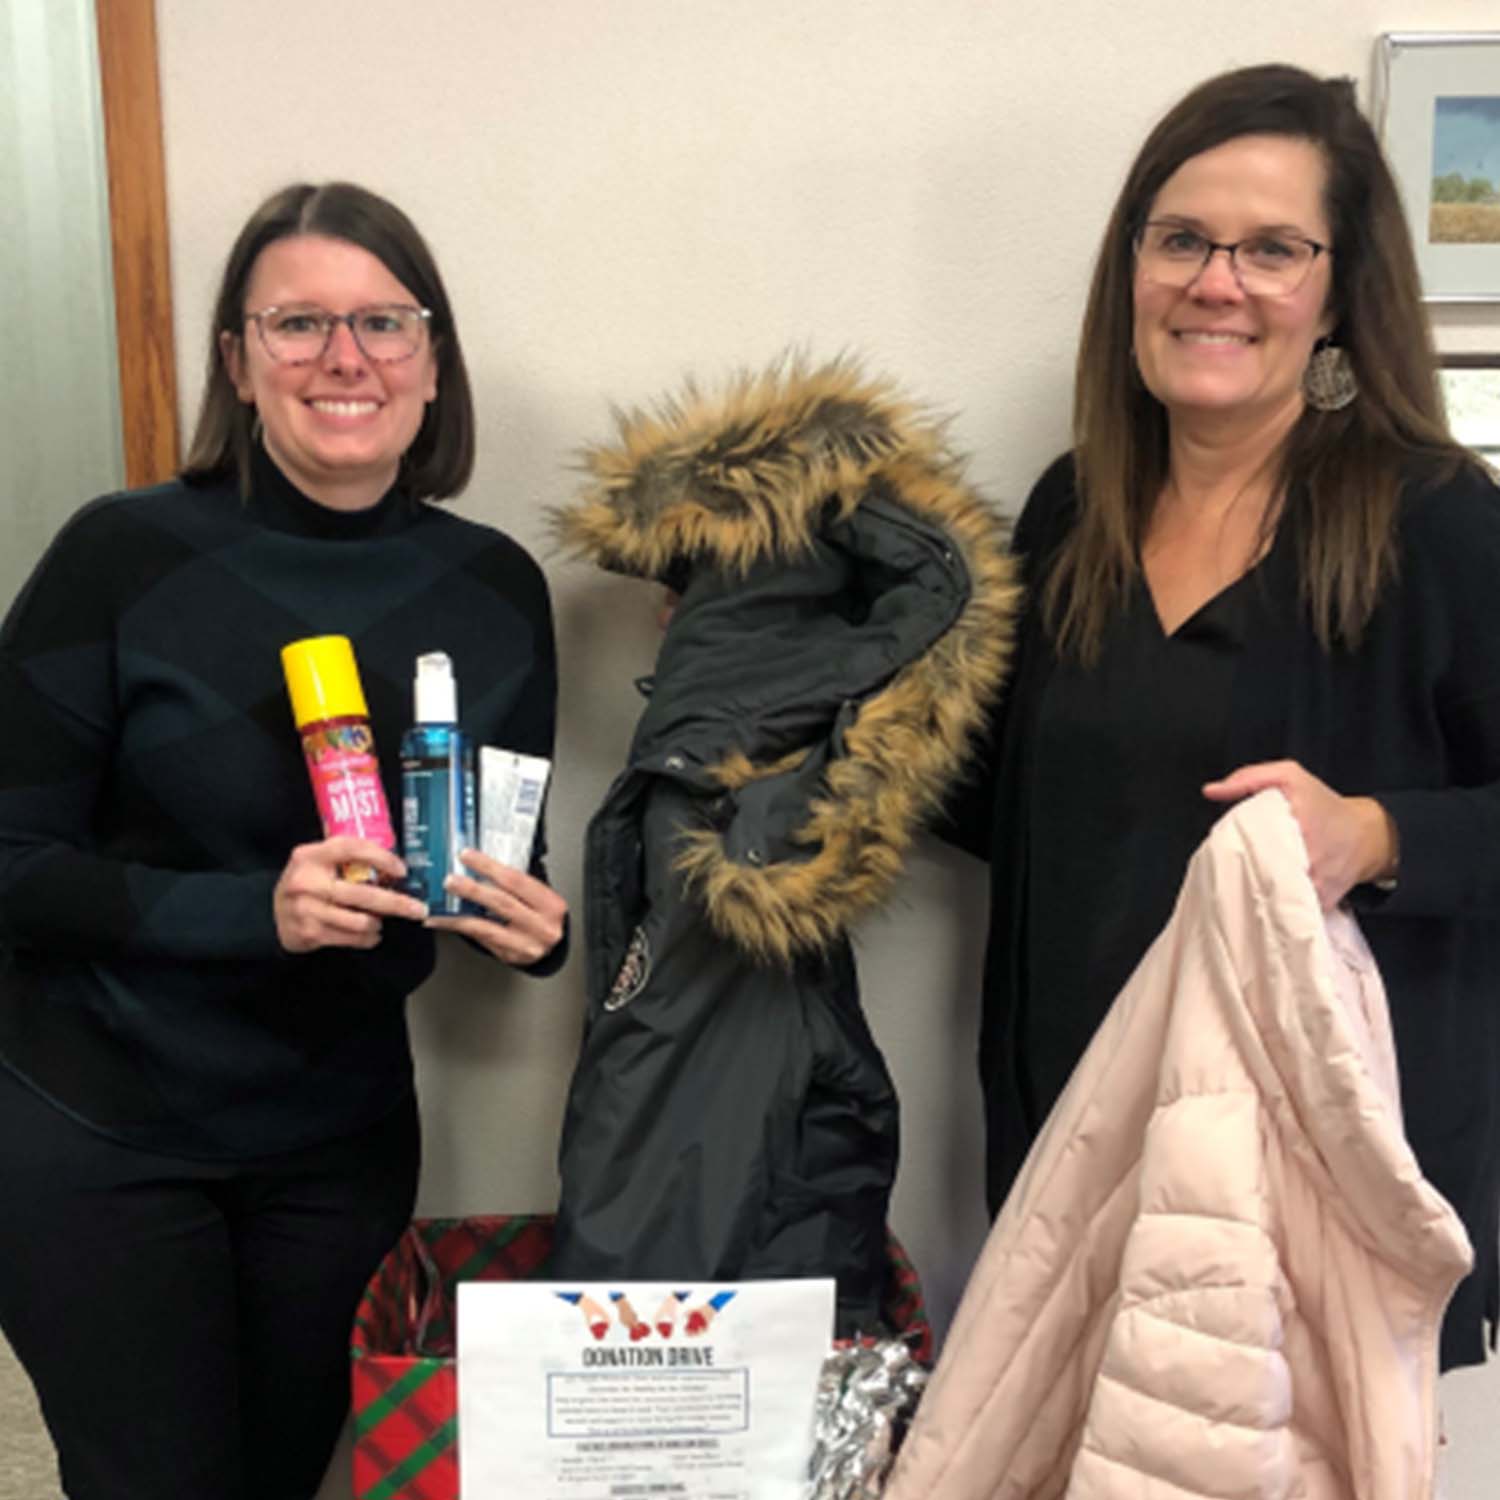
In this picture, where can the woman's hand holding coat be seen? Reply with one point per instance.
(1349, 840)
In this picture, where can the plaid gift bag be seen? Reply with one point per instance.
(405, 1386)
(405, 1382)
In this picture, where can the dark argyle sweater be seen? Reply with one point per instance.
(152, 786)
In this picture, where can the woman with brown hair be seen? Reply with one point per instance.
(208, 1134)
(1264, 564)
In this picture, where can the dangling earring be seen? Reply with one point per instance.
(1328, 382)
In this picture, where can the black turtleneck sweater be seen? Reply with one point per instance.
(152, 786)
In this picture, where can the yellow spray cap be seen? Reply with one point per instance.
(323, 680)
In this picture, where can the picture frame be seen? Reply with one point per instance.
(1437, 110)
(1471, 393)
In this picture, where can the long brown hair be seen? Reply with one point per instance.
(441, 458)
(1339, 472)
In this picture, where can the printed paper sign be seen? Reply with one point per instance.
(640, 1392)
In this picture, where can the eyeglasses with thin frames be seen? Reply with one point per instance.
(298, 334)
(1268, 264)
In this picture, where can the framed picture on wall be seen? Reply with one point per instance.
(1471, 392)
(1437, 107)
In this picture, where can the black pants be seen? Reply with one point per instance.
(187, 1323)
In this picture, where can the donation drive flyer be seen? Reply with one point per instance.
(646, 1391)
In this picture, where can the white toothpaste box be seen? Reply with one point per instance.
(511, 789)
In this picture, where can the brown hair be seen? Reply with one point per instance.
(1339, 472)
(441, 458)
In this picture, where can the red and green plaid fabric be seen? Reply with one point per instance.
(405, 1387)
(404, 1379)
(904, 1309)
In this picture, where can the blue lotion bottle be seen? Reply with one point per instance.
(437, 789)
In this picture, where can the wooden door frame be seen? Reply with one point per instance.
(138, 235)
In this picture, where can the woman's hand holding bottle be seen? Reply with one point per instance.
(315, 907)
(526, 916)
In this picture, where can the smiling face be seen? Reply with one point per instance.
(1209, 352)
(338, 425)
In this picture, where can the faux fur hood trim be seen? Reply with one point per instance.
(754, 473)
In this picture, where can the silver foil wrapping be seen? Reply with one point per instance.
(867, 1395)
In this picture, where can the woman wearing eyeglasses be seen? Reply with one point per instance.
(1264, 564)
(208, 1136)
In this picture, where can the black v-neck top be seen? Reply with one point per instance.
(1110, 829)
(1092, 801)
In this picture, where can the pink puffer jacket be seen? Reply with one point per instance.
(1221, 1272)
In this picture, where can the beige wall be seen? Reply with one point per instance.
(622, 191)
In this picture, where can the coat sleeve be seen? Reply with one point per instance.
(1449, 827)
(58, 702)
